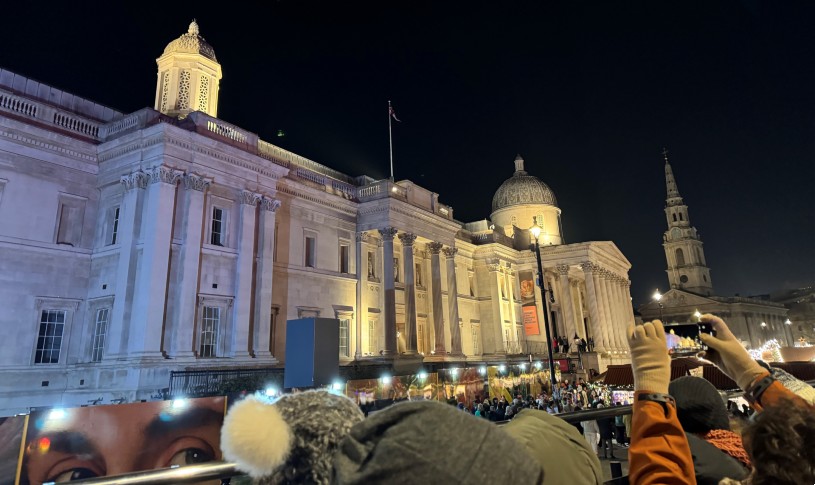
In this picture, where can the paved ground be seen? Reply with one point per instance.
(621, 454)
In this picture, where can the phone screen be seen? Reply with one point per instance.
(683, 338)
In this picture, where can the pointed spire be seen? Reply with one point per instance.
(193, 28)
(519, 164)
(670, 182)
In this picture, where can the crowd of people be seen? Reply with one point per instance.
(680, 431)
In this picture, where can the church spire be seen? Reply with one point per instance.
(673, 192)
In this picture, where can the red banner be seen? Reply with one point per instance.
(531, 326)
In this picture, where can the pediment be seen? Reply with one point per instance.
(679, 298)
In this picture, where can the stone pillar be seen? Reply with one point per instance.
(150, 298)
(629, 305)
(452, 302)
(242, 309)
(262, 336)
(178, 339)
(566, 302)
(390, 290)
(410, 292)
(578, 309)
(594, 306)
(608, 310)
(362, 275)
(435, 277)
(129, 209)
(495, 325)
(619, 287)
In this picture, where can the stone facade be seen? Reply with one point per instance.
(159, 241)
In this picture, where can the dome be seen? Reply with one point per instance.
(522, 188)
(191, 43)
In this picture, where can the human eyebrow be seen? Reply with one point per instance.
(166, 423)
(69, 442)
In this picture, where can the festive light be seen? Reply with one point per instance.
(482, 370)
(422, 375)
(771, 346)
(271, 391)
(56, 414)
(386, 379)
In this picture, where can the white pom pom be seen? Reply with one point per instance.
(256, 437)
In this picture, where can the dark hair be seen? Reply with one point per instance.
(779, 442)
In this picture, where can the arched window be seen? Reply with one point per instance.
(674, 217)
(680, 217)
(680, 257)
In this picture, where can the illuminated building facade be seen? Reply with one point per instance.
(168, 239)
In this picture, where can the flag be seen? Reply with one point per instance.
(392, 113)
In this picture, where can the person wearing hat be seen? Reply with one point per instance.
(703, 416)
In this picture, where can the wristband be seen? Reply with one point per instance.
(756, 389)
(663, 399)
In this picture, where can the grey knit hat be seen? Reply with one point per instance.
(699, 406)
(292, 440)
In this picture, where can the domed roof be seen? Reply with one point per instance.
(522, 188)
(191, 43)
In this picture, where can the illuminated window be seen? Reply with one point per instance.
(100, 331)
(49, 338)
(344, 328)
(184, 90)
(210, 325)
(203, 94)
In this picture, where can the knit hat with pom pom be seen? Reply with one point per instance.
(291, 440)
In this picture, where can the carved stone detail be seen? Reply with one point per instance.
(269, 204)
(249, 198)
(362, 236)
(562, 269)
(450, 252)
(494, 267)
(164, 174)
(388, 232)
(588, 267)
(434, 247)
(135, 180)
(407, 238)
(196, 182)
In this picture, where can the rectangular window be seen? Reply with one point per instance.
(218, 228)
(210, 325)
(476, 346)
(49, 339)
(420, 337)
(114, 225)
(371, 337)
(69, 230)
(507, 340)
(274, 254)
(311, 248)
(100, 331)
(344, 326)
(345, 258)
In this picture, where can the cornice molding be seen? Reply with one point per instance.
(33, 142)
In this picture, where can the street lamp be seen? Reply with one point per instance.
(535, 231)
(658, 298)
(791, 338)
(698, 316)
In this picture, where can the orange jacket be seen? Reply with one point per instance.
(659, 452)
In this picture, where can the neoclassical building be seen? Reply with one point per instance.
(134, 244)
(753, 320)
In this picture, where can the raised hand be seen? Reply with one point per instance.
(725, 351)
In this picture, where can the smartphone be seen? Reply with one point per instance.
(683, 338)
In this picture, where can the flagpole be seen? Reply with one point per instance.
(390, 138)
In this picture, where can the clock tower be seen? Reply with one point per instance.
(687, 269)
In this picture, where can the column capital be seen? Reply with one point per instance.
(197, 182)
(135, 180)
(450, 252)
(388, 233)
(248, 197)
(407, 239)
(588, 267)
(362, 236)
(434, 247)
(562, 269)
(269, 204)
(494, 267)
(164, 174)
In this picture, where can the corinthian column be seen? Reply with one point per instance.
(361, 274)
(567, 304)
(390, 291)
(594, 306)
(178, 339)
(410, 292)
(262, 338)
(435, 277)
(452, 301)
(132, 200)
(150, 298)
(608, 310)
(242, 309)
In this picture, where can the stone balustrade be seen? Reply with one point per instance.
(45, 113)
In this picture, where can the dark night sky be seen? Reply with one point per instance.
(587, 92)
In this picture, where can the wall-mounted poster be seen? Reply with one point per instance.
(70, 444)
(528, 305)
